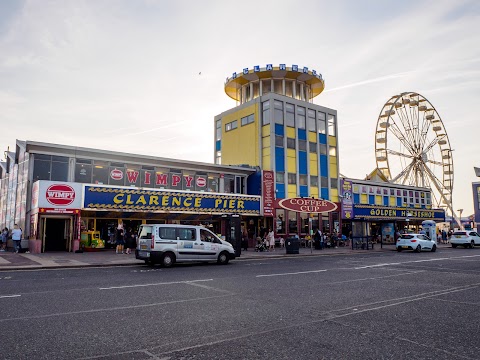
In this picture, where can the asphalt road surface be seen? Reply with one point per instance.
(364, 306)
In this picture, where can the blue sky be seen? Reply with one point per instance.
(124, 75)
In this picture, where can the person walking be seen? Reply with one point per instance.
(17, 238)
(130, 241)
(318, 239)
(120, 240)
(271, 239)
(3, 239)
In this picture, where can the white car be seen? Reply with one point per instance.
(416, 242)
(466, 238)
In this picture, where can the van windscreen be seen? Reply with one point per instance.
(145, 232)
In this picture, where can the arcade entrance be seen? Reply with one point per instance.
(56, 233)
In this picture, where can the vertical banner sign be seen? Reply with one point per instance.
(347, 199)
(268, 191)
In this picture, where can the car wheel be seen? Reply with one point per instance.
(418, 249)
(223, 258)
(399, 248)
(168, 259)
(454, 246)
(466, 245)
(434, 248)
(472, 244)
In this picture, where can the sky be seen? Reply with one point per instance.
(147, 77)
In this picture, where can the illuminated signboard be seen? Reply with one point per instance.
(383, 212)
(152, 200)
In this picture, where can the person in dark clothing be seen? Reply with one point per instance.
(120, 240)
(130, 241)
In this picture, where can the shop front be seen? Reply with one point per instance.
(380, 224)
(301, 216)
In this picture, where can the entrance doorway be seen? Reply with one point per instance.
(56, 234)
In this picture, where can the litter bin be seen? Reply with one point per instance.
(292, 245)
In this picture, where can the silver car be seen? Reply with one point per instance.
(167, 244)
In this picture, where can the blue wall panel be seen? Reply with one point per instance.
(356, 198)
(218, 145)
(280, 189)
(303, 190)
(385, 201)
(323, 165)
(322, 138)
(302, 162)
(302, 134)
(279, 159)
(324, 194)
(279, 130)
(371, 199)
(399, 201)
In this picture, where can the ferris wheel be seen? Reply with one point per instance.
(412, 147)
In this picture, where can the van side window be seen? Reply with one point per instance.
(167, 233)
(146, 232)
(206, 236)
(187, 234)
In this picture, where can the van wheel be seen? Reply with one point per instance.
(434, 248)
(223, 258)
(168, 259)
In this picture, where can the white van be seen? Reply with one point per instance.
(167, 244)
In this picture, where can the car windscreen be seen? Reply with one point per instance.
(407, 237)
(145, 232)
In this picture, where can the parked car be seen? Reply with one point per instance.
(167, 244)
(416, 242)
(466, 238)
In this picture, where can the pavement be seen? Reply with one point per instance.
(108, 257)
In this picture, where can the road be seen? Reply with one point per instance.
(384, 305)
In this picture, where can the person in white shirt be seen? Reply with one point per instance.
(271, 239)
(17, 238)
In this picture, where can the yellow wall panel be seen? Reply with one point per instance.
(291, 153)
(334, 195)
(313, 168)
(332, 141)
(378, 199)
(240, 146)
(292, 190)
(314, 191)
(363, 198)
(266, 151)
(393, 201)
(333, 171)
(291, 165)
(312, 136)
(266, 130)
(266, 162)
(291, 132)
(265, 143)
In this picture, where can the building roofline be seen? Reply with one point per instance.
(40, 147)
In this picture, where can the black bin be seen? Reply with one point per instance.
(292, 245)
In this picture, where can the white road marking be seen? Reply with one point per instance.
(9, 296)
(4, 261)
(116, 308)
(154, 284)
(293, 273)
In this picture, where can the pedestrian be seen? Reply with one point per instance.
(3, 239)
(120, 240)
(244, 239)
(444, 236)
(17, 238)
(130, 241)
(318, 239)
(271, 239)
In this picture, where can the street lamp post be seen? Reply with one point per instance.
(460, 225)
